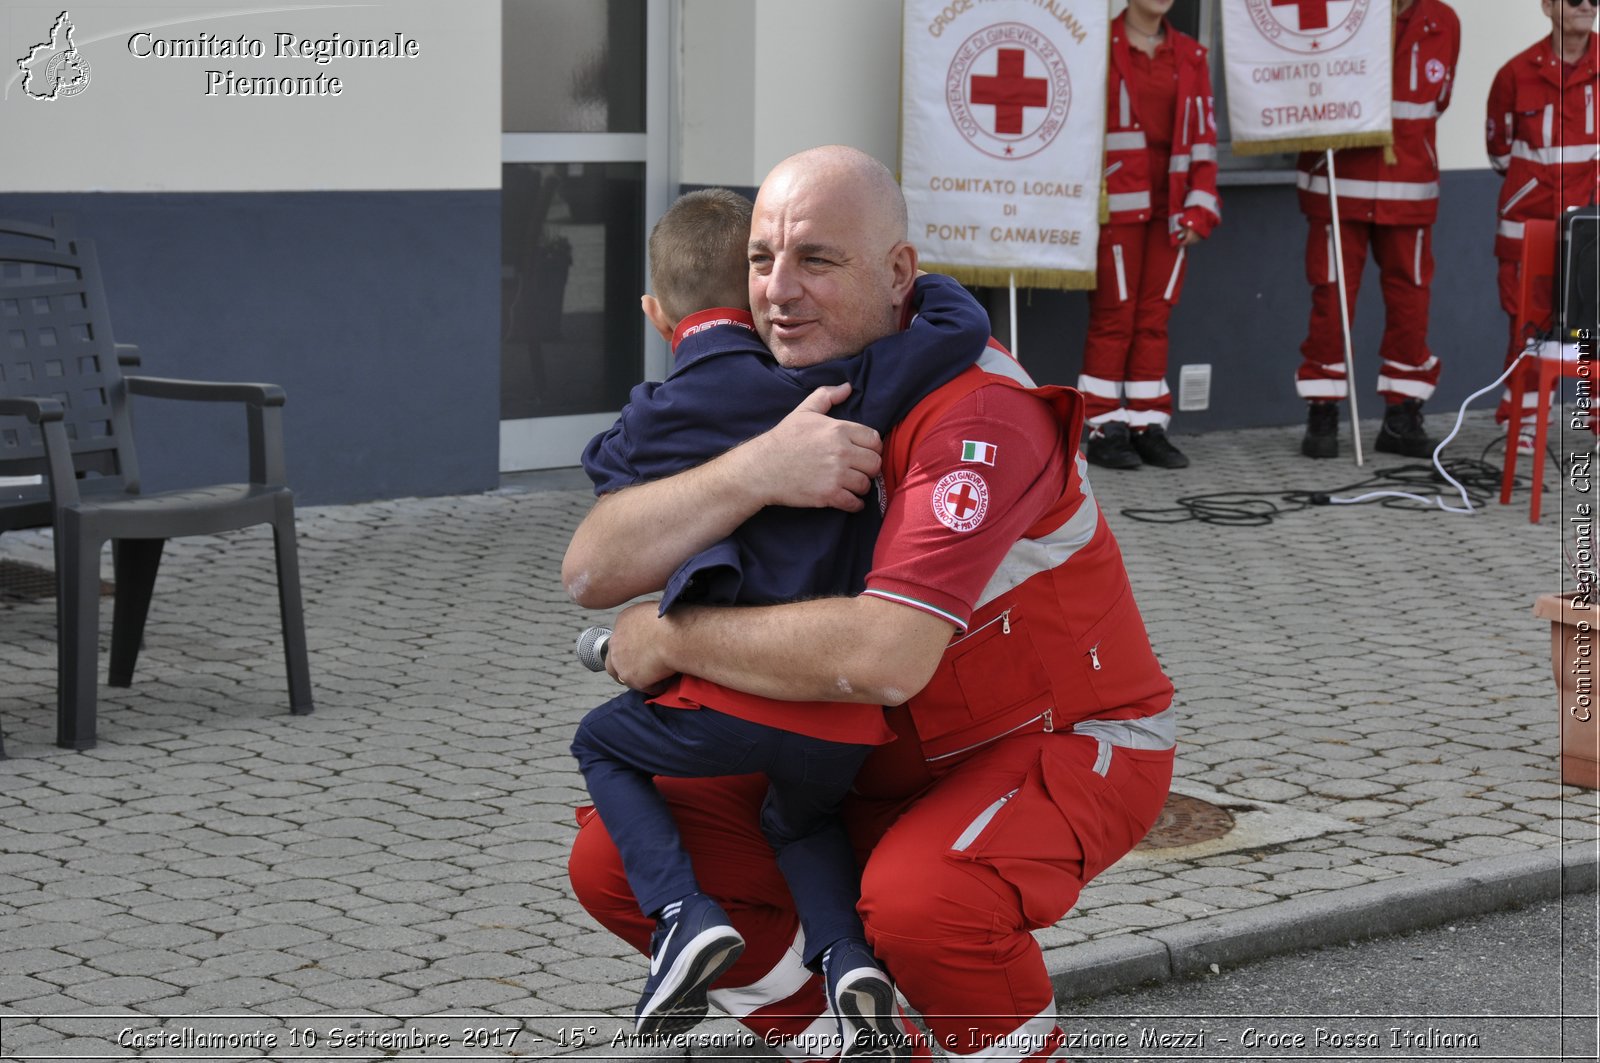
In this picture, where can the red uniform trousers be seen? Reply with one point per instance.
(1139, 278)
(958, 876)
(1404, 254)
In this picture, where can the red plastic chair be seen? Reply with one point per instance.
(1534, 313)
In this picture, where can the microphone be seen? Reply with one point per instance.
(592, 646)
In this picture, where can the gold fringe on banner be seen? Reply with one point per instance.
(1000, 277)
(1378, 138)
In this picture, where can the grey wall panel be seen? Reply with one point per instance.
(378, 312)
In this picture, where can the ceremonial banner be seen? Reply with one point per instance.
(1003, 137)
(1304, 75)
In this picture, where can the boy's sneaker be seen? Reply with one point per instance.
(862, 998)
(693, 943)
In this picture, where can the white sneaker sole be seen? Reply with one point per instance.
(679, 1003)
(869, 1021)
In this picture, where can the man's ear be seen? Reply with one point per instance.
(658, 317)
(903, 264)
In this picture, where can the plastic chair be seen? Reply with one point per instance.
(64, 414)
(1534, 312)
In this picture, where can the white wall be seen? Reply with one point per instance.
(717, 86)
(829, 72)
(148, 124)
(1492, 31)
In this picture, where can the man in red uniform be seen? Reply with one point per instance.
(1035, 734)
(1389, 207)
(1161, 176)
(1543, 135)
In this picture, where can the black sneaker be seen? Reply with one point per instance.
(862, 1000)
(1402, 431)
(1154, 448)
(1322, 431)
(1110, 448)
(693, 943)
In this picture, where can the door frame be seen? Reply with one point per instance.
(556, 442)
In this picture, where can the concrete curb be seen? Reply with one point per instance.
(1396, 906)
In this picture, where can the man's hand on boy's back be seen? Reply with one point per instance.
(633, 539)
(811, 460)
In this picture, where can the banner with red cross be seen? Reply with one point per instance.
(1304, 75)
(1002, 137)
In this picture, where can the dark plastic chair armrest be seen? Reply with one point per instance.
(205, 390)
(48, 414)
(128, 355)
(263, 408)
(35, 410)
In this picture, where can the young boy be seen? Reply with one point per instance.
(725, 387)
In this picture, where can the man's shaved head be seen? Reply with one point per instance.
(845, 170)
(830, 264)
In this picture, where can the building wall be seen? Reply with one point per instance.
(828, 71)
(344, 246)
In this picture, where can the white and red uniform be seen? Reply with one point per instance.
(1389, 207)
(1040, 752)
(1160, 123)
(1544, 136)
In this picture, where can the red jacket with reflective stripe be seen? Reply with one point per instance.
(1406, 191)
(1191, 186)
(1542, 136)
(1065, 643)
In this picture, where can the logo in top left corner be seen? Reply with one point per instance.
(55, 69)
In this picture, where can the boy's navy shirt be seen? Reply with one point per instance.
(725, 387)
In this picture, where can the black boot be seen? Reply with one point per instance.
(1110, 448)
(1402, 431)
(1322, 431)
(1154, 448)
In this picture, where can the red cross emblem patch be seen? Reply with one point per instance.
(961, 500)
(1008, 90)
(1311, 27)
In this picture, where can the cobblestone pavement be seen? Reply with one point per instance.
(401, 852)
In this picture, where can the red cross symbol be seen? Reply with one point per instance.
(1313, 13)
(1009, 91)
(961, 502)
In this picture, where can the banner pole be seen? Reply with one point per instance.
(1344, 310)
(1012, 317)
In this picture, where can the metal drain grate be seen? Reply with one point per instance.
(1186, 820)
(22, 582)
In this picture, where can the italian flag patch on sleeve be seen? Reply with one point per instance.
(974, 450)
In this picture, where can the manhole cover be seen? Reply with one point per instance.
(21, 582)
(1186, 820)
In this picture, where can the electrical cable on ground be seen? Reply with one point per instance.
(1244, 509)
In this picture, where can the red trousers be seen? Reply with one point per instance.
(1138, 279)
(955, 878)
(1405, 270)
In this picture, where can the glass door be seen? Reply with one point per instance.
(585, 116)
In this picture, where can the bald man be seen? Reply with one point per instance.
(1035, 738)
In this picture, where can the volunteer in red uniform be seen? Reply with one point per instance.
(1035, 734)
(1161, 176)
(1389, 207)
(1544, 136)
